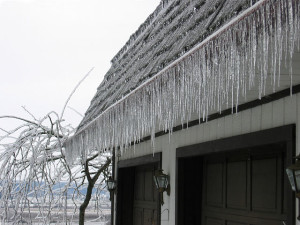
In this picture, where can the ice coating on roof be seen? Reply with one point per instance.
(172, 30)
(244, 55)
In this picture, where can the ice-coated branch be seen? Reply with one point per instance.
(63, 111)
(36, 177)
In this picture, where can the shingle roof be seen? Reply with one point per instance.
(168, 33)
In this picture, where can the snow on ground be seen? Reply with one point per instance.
(92, 217)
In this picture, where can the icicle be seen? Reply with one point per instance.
(243, 55)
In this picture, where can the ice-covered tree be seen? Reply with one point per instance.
(35, 176)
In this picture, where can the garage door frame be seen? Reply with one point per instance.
(284, 134)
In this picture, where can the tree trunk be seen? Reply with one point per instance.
(90, 187)
(85, 203)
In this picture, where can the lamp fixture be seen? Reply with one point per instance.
(162, 183)
(293, 173)
(111, 186)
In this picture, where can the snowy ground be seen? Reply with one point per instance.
(92, 218)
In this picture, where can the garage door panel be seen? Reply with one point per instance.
(235, 223)
(264, 185)
(248, 189)
(229, 217)
(237, 185)
(139, 185)
(213, 221)
(138, 216)
(148, 217)
(155, 216)
(214, 182)
(149, 194)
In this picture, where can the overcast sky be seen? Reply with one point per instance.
(47, 46)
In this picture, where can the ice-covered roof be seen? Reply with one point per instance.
(191, 59)
(169, 32)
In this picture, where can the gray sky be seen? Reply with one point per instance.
(47, 46)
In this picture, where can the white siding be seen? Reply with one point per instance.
(277, 113)
(267, 116)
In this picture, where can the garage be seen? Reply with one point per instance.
(138, 199)
(236, 184)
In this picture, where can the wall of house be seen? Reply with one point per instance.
(277, 113)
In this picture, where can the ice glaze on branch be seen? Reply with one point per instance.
(35, 176)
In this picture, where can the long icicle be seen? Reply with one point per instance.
(210, 76)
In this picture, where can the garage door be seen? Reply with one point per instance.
(244, 188)
(145, 202)
(137, 197)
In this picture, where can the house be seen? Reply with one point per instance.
(208, 91)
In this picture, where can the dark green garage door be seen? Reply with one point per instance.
(244, 188)
(137, 197)
(145, 202)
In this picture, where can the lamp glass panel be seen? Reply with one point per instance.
(297, 176)
(110, 185)
(291, 178)
(162, 181)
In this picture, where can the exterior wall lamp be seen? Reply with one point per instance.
(162, 183)
(111, 186)
(293, 173)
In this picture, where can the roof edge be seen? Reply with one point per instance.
(191, 51)
(132, 117)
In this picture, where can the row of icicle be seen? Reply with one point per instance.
(246, 55)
